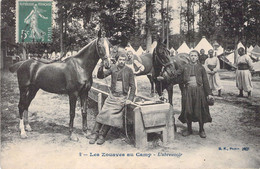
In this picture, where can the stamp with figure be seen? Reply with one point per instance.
(33, 21)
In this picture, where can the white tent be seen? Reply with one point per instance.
(183, 48)
(255, 53)
(219, 50)
(74, 53)
(230, 57)
(256, 66)
(68, 54)
(203, 44)
(172, 50)
(250, 49)
(53, 56)
(240, 45)
(130, 48)
(139, 51)
(57, 55)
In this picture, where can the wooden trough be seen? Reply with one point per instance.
(145, 115)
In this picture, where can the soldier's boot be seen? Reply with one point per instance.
(94, 135)
(201, 131)
(189, 131)
(249, 94)
(240, 93)
(219, 92)
(102, 135)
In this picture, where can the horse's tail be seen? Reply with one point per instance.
(15, 66)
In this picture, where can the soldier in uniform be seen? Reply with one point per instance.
(195, 96)
(122, 92)
(243, 74)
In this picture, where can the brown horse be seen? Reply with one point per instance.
(170, 68)
(72, 76)
(146, 60)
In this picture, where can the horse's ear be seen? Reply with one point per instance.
(99, 33)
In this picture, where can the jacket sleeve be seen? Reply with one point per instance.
(131, 85)
(101, 74)
(205, 82)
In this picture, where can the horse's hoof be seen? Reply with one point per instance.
(28, 127)
(73, 137)
(24, 136)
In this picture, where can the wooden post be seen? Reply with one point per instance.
(139, 130)
(170, 124)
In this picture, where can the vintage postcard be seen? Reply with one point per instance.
(126, 84)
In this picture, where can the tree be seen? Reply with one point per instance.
(208, 18)
(148, 23)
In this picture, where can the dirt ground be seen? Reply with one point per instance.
(232, 137)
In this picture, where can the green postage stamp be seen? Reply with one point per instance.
(33, 21)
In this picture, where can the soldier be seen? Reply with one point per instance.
(212, 67)
(243, 74)
(122, 83)
(196, 94)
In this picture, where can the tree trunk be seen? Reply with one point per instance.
(65, 34)
(24, 55)
(188, 20)
(168, 24)
(163, 24)
(148, 24)
(61, 34)
(193, 25)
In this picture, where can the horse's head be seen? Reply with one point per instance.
(103, 49)
(162, 59)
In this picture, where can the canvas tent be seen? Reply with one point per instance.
(224, 62)
(256, 66)
(139, 51)
(240, 45)
(130, 48)
(230, 57)
(172, 50)
(219, 51)
(183, 48)
(256, 52)
(74, 53)
(250, 49)
(203, 44)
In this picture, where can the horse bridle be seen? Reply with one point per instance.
(164, 65)
(102, 58)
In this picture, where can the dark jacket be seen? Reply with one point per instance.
(127, 79)
(202, 58)
(201, 77)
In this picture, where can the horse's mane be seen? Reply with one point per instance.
(84, 48)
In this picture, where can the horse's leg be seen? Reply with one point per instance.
(181, 86)
(73, 101)
(158, 88)
(152, 84)
(22, 108)
(170, 93)
(32, 92)
(84, 107)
